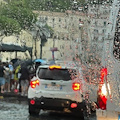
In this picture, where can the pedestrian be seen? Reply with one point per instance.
(11, 75)
(7, 78)
(37, 64)
(2, 79)
(16, 78)
(24, 79)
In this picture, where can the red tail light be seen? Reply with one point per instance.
(32, 102)
(73, 105)
(103, 73)
(76, 86)
(34, 83)
(102, 102)
(102, 92)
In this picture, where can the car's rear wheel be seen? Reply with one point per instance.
(33, 110)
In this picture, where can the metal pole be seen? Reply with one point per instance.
(35, 52)
(53, 55)
(15, 54)
(41, 49)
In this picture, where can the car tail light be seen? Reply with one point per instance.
(103, 90)
(32, 102)
(34, 83)
(103, 74)
(54, 67)
(73, 105)
(76, 86)
(102, 100)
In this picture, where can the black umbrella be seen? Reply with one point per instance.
(23, 63)
(18, 62)
(14, 60)
(28, 62)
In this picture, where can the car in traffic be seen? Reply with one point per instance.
(58, 88)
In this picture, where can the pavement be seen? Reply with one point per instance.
(13, 94)
(107, 115)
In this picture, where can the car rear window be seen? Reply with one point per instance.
(56, 74)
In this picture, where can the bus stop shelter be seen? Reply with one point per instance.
(15, 48)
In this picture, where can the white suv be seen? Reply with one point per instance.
(58, 88)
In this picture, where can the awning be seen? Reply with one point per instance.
(13, 47)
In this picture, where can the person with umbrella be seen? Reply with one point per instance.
(38, 62)
(24, 79)
(16, 77)
(10, 65)
(2, 79)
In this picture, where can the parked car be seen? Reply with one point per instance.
(59, 88)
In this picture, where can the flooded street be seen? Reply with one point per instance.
(12, 109)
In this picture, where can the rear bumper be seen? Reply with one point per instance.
(56, 104)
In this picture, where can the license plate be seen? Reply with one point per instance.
(53, 87)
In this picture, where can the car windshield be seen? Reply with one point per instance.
(56, 74)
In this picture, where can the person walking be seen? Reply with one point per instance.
(16, 78)
(2, 79)
(7, 78)
(11, 75)
(24, 79)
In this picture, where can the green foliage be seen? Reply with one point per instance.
(51, 5)
(17, 15)
(81, 2)
(9, 26)
(50, 29)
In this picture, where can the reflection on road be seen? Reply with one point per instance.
(11, 109)
(53, 116)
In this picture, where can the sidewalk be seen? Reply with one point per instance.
(13, 94)
(107, 115)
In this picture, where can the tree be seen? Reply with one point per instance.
(51, 5)
(9, 26)
(16, 16)
(43, 31)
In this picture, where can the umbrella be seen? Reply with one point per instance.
(40, 60)
(23, 63)
(28, 62)
(18, 62)
(15, 60)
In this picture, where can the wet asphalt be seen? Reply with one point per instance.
(15, 107)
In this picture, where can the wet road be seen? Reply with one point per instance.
(12, 109)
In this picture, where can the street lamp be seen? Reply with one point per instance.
(43, 40)
(40, 30)
(35, 34)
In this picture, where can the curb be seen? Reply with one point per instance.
(12, 94)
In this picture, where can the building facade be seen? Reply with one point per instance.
(75, 34)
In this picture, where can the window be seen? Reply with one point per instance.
(116, 47)
(53, 19)
(59, 19)
(95, 22)
(56, 74)
(95, 30)
(104, 23)
(103, 31)
(46, 18)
